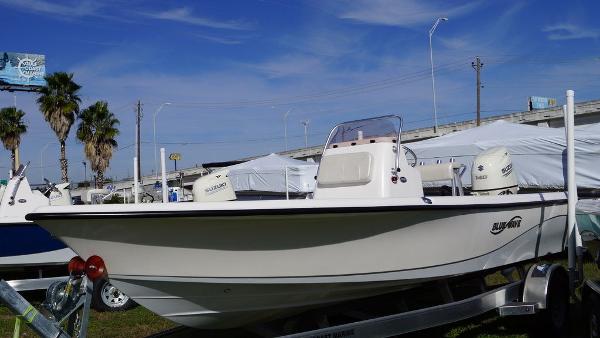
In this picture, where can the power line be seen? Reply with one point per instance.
(335, 93)
(278, 138)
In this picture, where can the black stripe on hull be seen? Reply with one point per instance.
(286, 211)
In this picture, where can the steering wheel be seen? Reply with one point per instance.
(411, 157)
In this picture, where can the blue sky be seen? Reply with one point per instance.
(233, 68)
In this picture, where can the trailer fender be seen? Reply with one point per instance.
(537, 282)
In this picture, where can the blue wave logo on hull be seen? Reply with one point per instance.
(513, 223)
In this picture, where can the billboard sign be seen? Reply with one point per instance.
(538, 102)
(22, 69)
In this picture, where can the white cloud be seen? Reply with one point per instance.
(455, 42)
(75, 9)
(567, 31)
(218, 39)
(289, 65)
(185, 15)
(407, 13)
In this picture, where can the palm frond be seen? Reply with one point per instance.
(12, 127)
(97, 130)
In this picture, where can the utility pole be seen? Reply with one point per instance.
(305, 123)
(138, 118)
(477, 65)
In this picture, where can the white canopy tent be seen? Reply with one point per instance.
(538, 153)
(268, 173)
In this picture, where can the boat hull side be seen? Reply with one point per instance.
(235, 270)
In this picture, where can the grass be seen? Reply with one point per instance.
(137, 322)
(140, 322)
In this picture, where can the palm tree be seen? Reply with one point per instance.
(12, 127)
(59, 103)
(98, 130)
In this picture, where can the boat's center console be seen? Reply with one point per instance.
(362, 160)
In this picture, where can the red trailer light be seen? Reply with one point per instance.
(95, 268)
(76, 266)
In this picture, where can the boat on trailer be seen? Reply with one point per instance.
(368, 230)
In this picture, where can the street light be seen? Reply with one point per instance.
(42, 157)
(154, 127)
(431, 31)
(305, 123)
(285, 116)
(84, 171)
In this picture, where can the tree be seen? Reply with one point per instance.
(98, 130)
(59, 102)
(12, 127)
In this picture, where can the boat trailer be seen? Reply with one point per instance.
(67, 304)
(545, 284)
(542, 291)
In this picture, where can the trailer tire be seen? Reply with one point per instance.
(593, 315)
(107, 298)
(554, 320)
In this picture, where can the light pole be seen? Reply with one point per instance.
(84, 171)
(154, 127)
(431, 31)
(305, 123)
(42, 157)
(285, 116)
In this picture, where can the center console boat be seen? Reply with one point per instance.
(367, 230)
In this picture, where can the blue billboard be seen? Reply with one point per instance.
(538, 102)
(22, 69)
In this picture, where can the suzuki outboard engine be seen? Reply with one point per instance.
(61, 195)
(215, 187)
(492, 173)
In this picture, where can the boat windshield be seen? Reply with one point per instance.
(385, 126)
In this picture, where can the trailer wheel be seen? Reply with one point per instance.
(554, 320)
(593, 316)
(107, 298)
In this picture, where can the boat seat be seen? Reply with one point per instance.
(438, 172)
(345, 169)
(450, 171)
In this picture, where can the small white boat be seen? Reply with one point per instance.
(24, 243)
(368, 230)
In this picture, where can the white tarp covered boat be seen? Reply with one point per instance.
(268, 173)
(538, 153)
(368, 230)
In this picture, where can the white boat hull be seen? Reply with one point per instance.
(218, 265)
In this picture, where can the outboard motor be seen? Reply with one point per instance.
(492, 173)
(60, 195)
(215, 187)
(57, 194)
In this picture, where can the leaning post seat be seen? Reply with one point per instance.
(450, 171)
